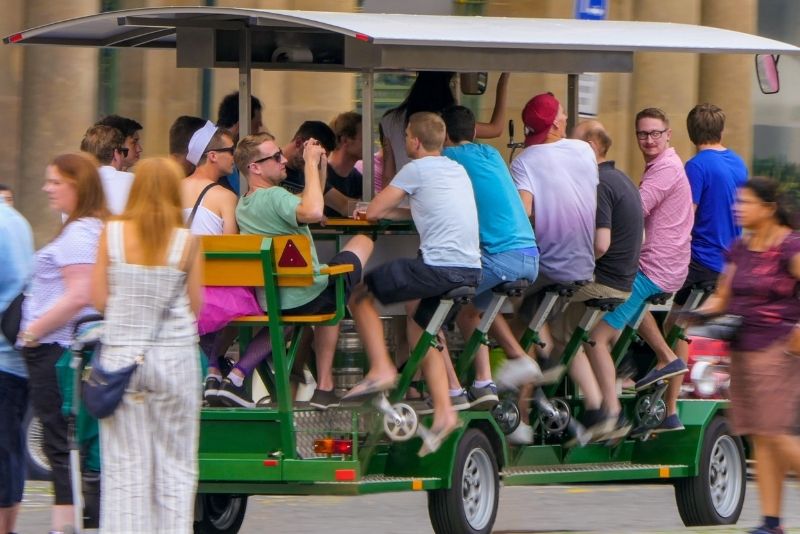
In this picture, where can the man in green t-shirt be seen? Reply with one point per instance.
(271, 210)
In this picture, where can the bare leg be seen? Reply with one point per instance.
(436, 377)
(61, 517)
(581, 372)
(8, 518)
(325, 338)
(769, 474)
(370, 330)
(653, 336)
(790, 451)
(525, 393)
(603, 365)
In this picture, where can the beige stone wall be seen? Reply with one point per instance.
(11, 60)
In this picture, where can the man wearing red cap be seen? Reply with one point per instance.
(557, 181)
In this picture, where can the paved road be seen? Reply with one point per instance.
(539, 510)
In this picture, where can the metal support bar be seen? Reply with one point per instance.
(367, 99)
(436, 322)
(479, 337)
(573, 97)
(543, 311)
(245, 57)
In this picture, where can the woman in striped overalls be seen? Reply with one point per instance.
(147, 281)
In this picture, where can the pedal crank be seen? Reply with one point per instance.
(507, 415)
(400, 423)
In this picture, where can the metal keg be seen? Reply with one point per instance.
(350, 361)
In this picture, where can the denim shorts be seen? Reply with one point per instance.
(504, 267)
(626, 314)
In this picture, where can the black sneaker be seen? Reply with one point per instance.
(233, 396)
(671, 423)
(324, 399)
(210, 391)
(764, 529)
(621, 429)
(484, 398)
(597, 423)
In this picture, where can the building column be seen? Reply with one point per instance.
(664, 80)
(11, 96)
(59, 88)
(726, 79)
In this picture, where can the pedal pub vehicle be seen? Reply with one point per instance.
(281, 449)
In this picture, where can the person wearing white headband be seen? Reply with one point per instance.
(209, 210)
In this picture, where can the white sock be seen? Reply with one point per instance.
(236, 379)
(481, 383)
(214, 374)
(456, 392)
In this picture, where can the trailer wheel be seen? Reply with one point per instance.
(716, 495)
(470, 505)
(221, 513)
(37, 463)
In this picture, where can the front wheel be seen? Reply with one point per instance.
(37, 463)
(220, 513)
(716, 495)
(470, 505)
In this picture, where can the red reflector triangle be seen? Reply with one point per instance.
(291, 256)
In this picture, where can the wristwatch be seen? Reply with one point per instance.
(28, 339)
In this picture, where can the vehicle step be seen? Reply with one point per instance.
(591, 472)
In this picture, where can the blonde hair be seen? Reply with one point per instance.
(247, 150)
(154, 205)
(80, 170)
(429, 128)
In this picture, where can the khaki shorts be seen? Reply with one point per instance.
(563, 325)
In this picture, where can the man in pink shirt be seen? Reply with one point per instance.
(666, 251)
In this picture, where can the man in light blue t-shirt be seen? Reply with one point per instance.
(16, 249)
(443, 208)
(508, 253)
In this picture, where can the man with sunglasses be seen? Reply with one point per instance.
(269, 209)
(664, 260)
(105, 143)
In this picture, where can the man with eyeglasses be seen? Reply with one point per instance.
(664, 259)
(269, 209)
(105, 143)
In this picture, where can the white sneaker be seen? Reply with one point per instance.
(522, 435)
(516, 372)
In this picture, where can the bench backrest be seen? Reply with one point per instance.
(241, 260)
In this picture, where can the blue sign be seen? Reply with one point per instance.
(591, 9)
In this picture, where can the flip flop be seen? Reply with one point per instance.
(433, 439)
(370, 388)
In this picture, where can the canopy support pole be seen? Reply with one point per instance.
(573, 98)
(367, 99)
(245, 55)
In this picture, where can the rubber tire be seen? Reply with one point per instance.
(214, 503)
(37, 469)
(692, 494)
(445, 506)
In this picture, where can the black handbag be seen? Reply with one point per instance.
(102, 390)
(723, 327)
(11, 319)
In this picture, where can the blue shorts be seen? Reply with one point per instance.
(504, 267)
(627, 313)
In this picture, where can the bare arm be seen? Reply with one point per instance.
(602, 240)
(338, 201)
(77, 291)
(384, 205)
(494, 128)
(312, 205)
(100, 275)
(228, 212)
(527, 202)
(194, 285)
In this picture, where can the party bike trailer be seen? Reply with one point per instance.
(282, 448)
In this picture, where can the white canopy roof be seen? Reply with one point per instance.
(208, 36)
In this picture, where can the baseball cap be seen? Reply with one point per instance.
(538, 115)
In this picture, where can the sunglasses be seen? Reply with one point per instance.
(277, 156)
(124, 151)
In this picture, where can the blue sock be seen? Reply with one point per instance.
(771, 521)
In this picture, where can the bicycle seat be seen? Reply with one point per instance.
(566, 289)
(606, 305)
(461, 294)
(512, 289)
(706, 287)
(659, 298)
